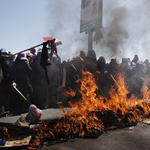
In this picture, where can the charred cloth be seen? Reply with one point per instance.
(65, 128)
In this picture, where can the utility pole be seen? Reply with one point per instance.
(90, 40)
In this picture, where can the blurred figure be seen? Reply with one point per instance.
(113, 67)
(34, 114)
(91, 56)
(147, 65)
(32, 51)
(29, 57)
(5, 63)
(135, 59)
(82, 55)
(101, 64)
(91, 64)
(39, 82)
(20, 75)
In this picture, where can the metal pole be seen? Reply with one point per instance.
(90, 40)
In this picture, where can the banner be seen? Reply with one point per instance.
(91, 14)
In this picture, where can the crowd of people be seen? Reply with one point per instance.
(25, 74)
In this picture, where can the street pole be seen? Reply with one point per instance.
(90, 40)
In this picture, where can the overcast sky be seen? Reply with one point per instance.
(125, 30)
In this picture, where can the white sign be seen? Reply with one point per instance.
(90, 13)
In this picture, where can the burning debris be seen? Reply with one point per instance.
(92, 114)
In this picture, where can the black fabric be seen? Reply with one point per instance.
(101, 64)
(39, 82)
(135, 59)
(14, 131)
(91, 56)
(44, 59)
(20, 73)
(5, 84)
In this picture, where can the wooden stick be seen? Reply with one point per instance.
(100, 90)
(21, 95)
(73, 67)
(146, 100)
(31, 48)
(26, 49)
(78, 76)
(9, 56)
(114, 80)
(144, 80)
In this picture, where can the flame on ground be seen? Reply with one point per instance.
(83, 117)
(88, 114)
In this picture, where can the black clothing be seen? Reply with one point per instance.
(20, 74)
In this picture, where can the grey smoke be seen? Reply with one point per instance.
(125, 29)
(115, 32)
(63, 22)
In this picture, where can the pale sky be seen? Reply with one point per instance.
(24, 23)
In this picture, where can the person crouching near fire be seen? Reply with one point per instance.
(34, 114)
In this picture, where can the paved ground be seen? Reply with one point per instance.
(47, 114)
(119, 139)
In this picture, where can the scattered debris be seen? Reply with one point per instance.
(146, 121)
(106, 133)
(131, 128)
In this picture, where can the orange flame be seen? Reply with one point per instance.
(5, 132)
(83, 115)
(81, 112)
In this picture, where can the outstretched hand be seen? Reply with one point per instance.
(14, 85)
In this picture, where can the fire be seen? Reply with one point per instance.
(93, 112)
(71, 92)
(85, 115)
(81, 117)
(5, 132)
(40, 136)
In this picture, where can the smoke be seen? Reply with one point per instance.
(124, 31)
(125, 34)
(63, 23)
(115, 32)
